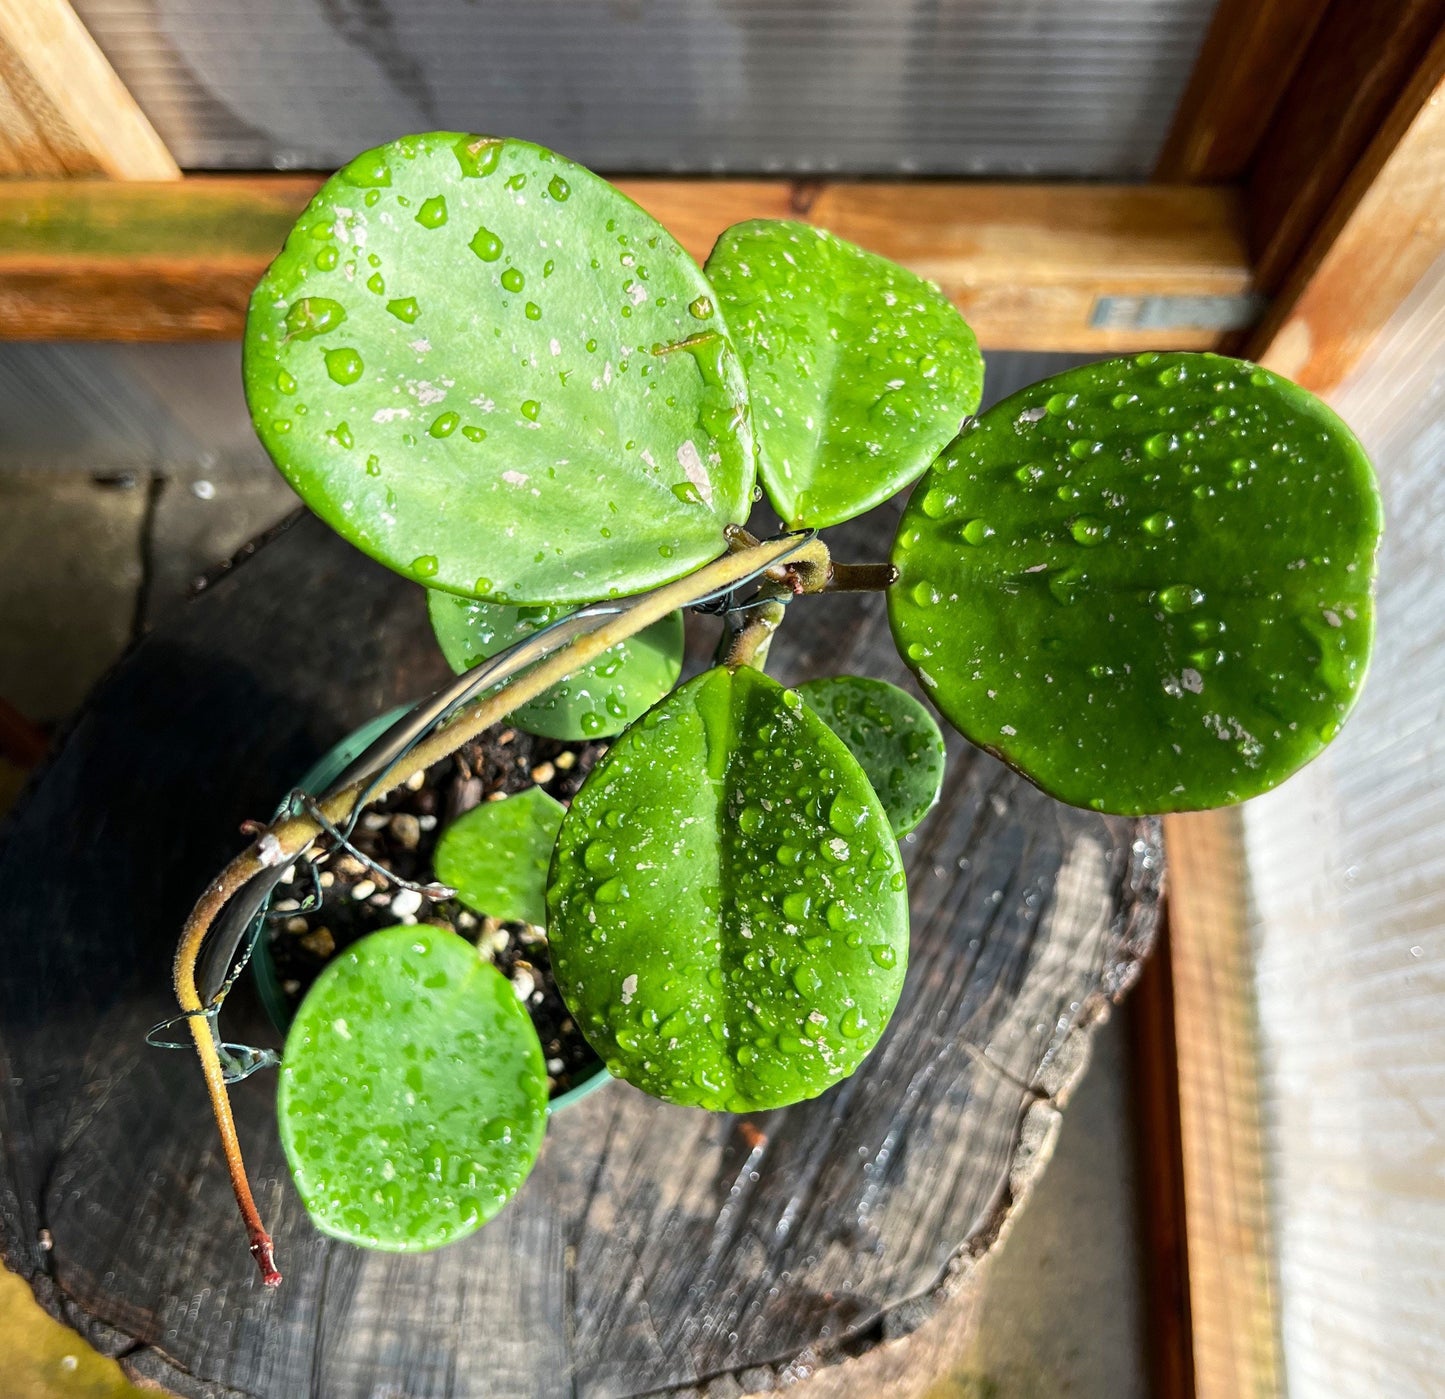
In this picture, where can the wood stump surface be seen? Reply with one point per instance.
(654, 1250)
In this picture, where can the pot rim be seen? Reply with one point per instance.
(318, 777)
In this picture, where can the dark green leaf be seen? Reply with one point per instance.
(1144, 583)
(496, 855)
(490, 370)
(894, 738)
(727, 911)
(599, 701)
(413, 1093)
(859, 371)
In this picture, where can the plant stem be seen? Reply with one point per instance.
(750, 645)
(810, 570)
(286, 838)
(862, 578)
(841, 577)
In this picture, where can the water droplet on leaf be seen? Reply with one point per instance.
(433, 212)
(344, 366)
(313, 315)
(486, 245)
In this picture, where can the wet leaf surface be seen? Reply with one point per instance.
(497, 854)
(1145, 583)
(487, 368)
(599, 701)
(894, 738)
(412, 1096)
(728, 911)
(859, 371)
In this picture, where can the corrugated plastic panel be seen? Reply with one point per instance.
(949, 87)
(1347, 885)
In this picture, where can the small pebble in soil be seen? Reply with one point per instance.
(406, 902)
(364, 890)
(407, 830)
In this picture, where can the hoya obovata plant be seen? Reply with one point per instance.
(1144, 584)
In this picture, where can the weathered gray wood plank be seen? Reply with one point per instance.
(655, 1249)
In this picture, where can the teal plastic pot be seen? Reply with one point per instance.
(317, 779)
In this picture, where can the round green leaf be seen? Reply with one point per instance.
(894, 738)
(497, 854)
(489, 369)
(1145, 583)
(728, 914)
(413, 1093)
(859, 371)
(597, 702)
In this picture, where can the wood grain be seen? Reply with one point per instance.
(1369, 67)
(63, 110)
(1249, 55)
(1163, 1216)
(1233, 1307)
(654, 1249)
(1027, 264)
(1383, 234)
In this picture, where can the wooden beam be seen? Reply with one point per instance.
(1090, 268)
(1382, 233)
(63, 110)
(1369, 67)
(1247, 60)
(1235, 1343)
(1163, 1217)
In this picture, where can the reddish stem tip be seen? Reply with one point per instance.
(265, 1257)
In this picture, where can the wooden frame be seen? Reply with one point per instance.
(63, 111)
(1301, 157)
(1302, 182)
(1376, 237)
(1077, 267)
(1204, 991)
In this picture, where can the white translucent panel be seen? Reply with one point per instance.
(1347, 873)
(1065, 87)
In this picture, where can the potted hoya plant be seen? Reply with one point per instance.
(1145, 584)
